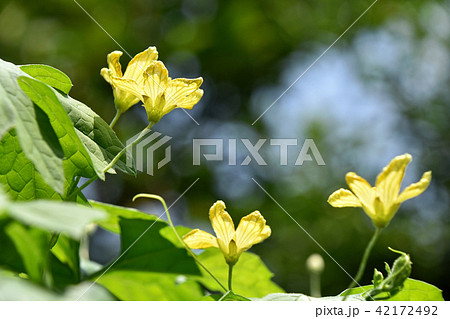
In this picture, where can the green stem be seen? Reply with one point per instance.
(118, 156)
(159, 198)
(363, 264)
(230, 276)
(115, 119)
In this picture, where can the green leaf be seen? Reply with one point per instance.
(49, 75)
(37, 262)
(6, 117)
(302, 297)
(68, 218)
(114, 213)
(150, 264)
(100, 140)
(32, 244)
(141, 285)
(66, 251)
(9, 256)
(145, 249)
(416, 290)
(77, 160)
(21, 111)
(413, 290)
(251, 277)
(18, 289)
(4, 201)
(18, 174)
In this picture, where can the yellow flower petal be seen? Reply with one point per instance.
(138, 65)
(128, 86)
(265, 233)
(184, 93)
(344, 198)
(156, 78)
(249, 231)
(222, 224)
(362, 189)
(415, 189)
(114, 64)
(389, 180)
(199, 239)
(106, 74)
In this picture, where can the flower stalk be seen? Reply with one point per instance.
(362, 265)
(230, 276)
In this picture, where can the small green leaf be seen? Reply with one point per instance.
(250, 276)
(54, 216)
(49, 75)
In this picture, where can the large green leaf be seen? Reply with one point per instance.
(416, 290)
(114, 213)
(68, 218)
(302, 297)
(49, 75)
(77, 160)
(141, 285)
(20, 110)
(145, 249)
(87, 149)
(251, 278)
(100, 140)
(18, 289)
(150, 264)
(18, 174)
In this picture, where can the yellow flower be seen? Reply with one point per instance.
(123, 99)
(159, 93)
(251, 230)
(381, 202)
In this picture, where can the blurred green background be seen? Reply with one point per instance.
(380, 91)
